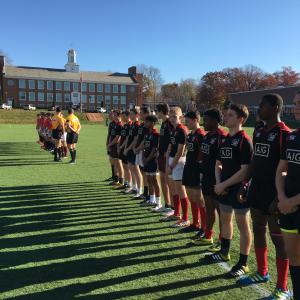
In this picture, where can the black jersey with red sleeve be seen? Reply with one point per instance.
(267, 145)
(291, 153)
(193, 146)
(115, 130)
(164, 136)
(124, 132)
(234, 151)
(177, 137)
(110, 126)
(142, 131)
(150, 142)
(209, 149)
(132, 132)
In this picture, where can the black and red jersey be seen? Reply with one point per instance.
(151, 142)
(164, 136)
(177, 137)
(110, 126)
(234, 151)
(193, 146)
(132, 132)
(267, 145)
(291, 153)
(115, 130)
(142, 131)
(209, 149)
(125, 131)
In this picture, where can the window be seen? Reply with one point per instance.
(41, 97)
(107, 99)
(115, 88)
(92, 107)
(32, 84)
(67, 97)
(99, 98)
(66, 85)
(123, 89)
(31, 96)
(58, 97)
(107, 107)
(58, 85)
(22, 84)
(75, 86)
(84, 98)
(123, 107)
(83, 87)
(92, 98)
(107, 88)
(22, 96)
(92, 87)
(40, 84)
(123, 100)
(115, 100)
(99, 87)
(50, 85)
(49, 97)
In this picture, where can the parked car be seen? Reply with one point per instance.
(101, 110)
(29, 107)
(5, 106)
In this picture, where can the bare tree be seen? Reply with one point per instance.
(8, 60)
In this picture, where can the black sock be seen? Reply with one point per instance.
(112, 171)
(146, 191)
(225, 246)
(295, 276)
(243, 260)
(121, 180)
(55, 153)
(71, 153)
(74, 154)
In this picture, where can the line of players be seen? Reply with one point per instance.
(58, 134)
(218, 172)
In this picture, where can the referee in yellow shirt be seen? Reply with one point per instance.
(58, 129)
(73, 128)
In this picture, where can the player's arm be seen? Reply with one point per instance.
(179, 153)
(141, 146)
(218, 169)
(123, 146)
(236, 178)
(114, 141)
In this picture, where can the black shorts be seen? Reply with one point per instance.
(161, 160)
(72, 138)
(208, 185)
(131, 157)
(230, 199)
(151, 167)
(123, 157)
(57, 134)
(290, 223)
(191, 175)
(261, 194)
(113, 151)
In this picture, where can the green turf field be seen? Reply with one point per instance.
(65, 234)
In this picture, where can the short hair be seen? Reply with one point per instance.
(176, 110)
(214, 113)
(274, 100)
(58, 109)
(163, 108)
(48, 114)
(152, 118)
(145, 110)
(193, 115)
(125, 113)
(70, 110)
(135, 110)
(117, 113)
(240, 109)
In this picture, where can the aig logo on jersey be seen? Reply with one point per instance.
(293, 156)
(226, 152)
(262, 149)
(205, 148)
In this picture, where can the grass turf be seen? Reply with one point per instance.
(65, 234)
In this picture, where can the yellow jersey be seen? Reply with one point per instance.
(58, 122)
(73, 121)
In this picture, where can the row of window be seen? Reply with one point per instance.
(66, 85)
(32, 96)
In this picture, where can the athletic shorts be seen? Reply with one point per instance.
(64, 137)
(229, 201)
(151, 168)
(261, 194)
(57, 134)
(290, 223)
(139, 159)
(177, 172)
(131, 157)
(191, 176)
(123, 157)
(161, 160)
(208, 185)
(72, 138)
(113, 151)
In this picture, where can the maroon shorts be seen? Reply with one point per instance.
(161, 160)
(113, 151)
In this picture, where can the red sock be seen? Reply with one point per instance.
(176, 200)
(196, 214)
(208, 233)
(262, 260)
(282, 272)
(185, 208)
(203, 217)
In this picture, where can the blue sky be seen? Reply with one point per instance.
(184, 39)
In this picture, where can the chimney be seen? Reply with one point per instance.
(132, 71)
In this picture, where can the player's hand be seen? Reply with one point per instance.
(286, 206)
(219, 188)
(242, 194)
